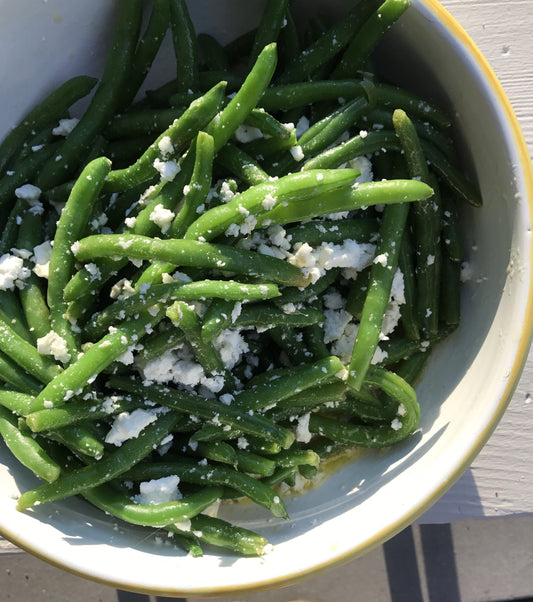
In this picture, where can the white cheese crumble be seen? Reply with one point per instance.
(128, 425)
(247, 133)
(158, 491)
(55, 345)
(28, 192)
(41, 259)
(162, 217)
(13, 273)
(167, 169)
(65, 126)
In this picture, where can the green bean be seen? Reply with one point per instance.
(284, 474)
(26, 355)
(324, 133)
(357, 292)
(175, 291)
(411, 368)
(211, 53)
(116, 503)
(290, 341)
(208, 409)
(287, 382)
(157, 343)
(218, 451)
(175, 139)
(303, 295)
(409, 315)
(382, 118)
(112, 465)
(367, 37)
(269, 28)
(362, 229)
(314, 340)
(104, 102)
(259, 199)
(381, 435)
(205, 473)
(16, 401)
(190, 253)
(141, 122)
(218, 532)
(26, 449)
(184, 317)
(269, 125)
(82, 439)
(195, 195)
(75, 412)
(266, 315)
(70, 227)
(394, 97)
(348, 199)
(358, 146)
(23, 172)
(146, 50)
(451, 175)
(253, 463)
(10, 313)
(94, 360)
(246, 98)
(330, 43)
(379, 290)
(49, 110)
(291, 96)
(451, 235)
(427, 221)
(241, 164)
(13, 376)
(219, 315)
(185, 45)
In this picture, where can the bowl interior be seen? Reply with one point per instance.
(466, 386)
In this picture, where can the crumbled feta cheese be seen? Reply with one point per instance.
(122, 289)
(128, 425)
(41, 259)
(297, 153)
(246, 133)
(28, 192)
(231, 345)
(55, 345)
(303, 434)
(166, 148)
(13, 273)
(162, 217)
(65, 126)
(167, 169)
(158, 491)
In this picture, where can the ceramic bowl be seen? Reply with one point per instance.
(467, 385)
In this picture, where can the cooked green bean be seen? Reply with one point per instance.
(105, 101)
(26, 449)
(71, 226)
(49, 110)
(190, 253)
(170, 143)
(379, 291)
(107, 468)
(95, 359)
(367, 37)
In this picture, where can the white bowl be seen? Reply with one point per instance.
(467, 385)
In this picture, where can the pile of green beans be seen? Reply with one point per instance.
(184, 326)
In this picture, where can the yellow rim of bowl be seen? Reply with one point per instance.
(456, 31)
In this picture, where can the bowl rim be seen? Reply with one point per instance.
(456, 31)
